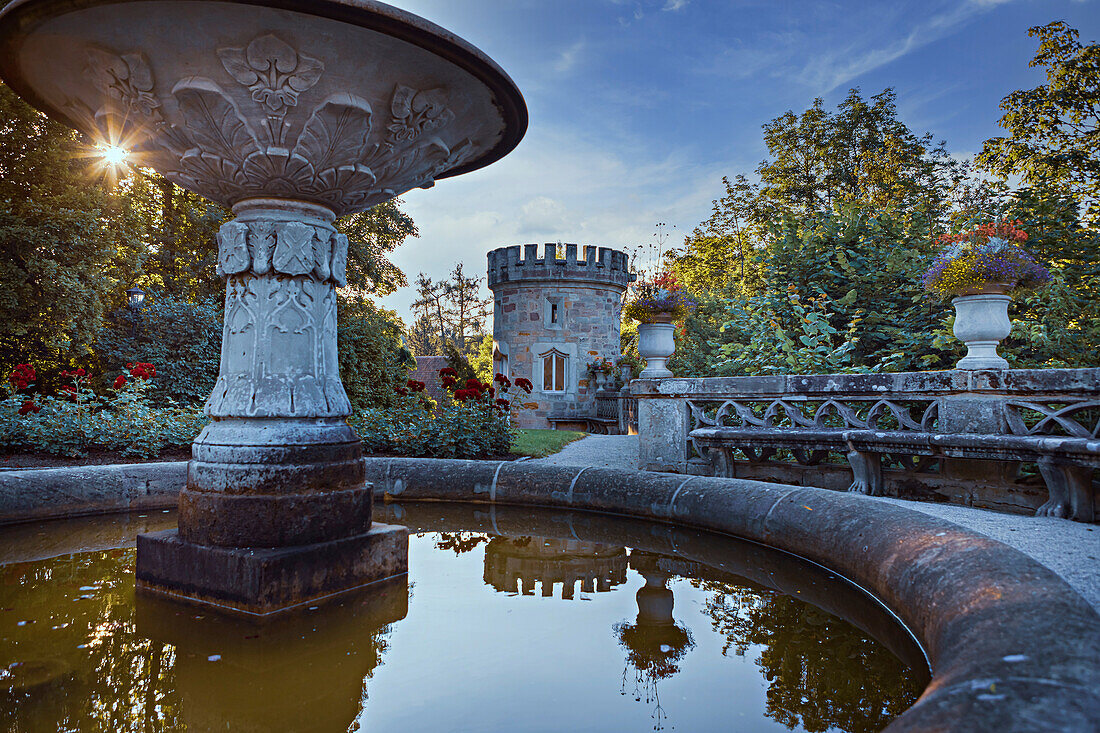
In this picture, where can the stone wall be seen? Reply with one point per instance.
(569, 306)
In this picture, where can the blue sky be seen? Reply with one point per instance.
(639, 107)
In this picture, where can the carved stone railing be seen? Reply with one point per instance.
(926, 429)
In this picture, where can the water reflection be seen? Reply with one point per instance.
(822, 672)
(306, 672)
(655, 643)
(710, 615)
(524, 562)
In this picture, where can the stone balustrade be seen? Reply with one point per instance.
(1019, 440)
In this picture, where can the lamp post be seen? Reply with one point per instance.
(135, 298)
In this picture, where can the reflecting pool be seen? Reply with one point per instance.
(509, 620)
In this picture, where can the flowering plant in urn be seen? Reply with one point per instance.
(658, 299)
(988, 257)
(979, 268)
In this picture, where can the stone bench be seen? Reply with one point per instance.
(968, 436)
(603, 419)
(1066, 463)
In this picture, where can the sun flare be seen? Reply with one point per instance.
(113, 155)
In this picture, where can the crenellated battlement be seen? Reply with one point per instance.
(522, 263)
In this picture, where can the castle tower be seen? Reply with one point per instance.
(551, 316)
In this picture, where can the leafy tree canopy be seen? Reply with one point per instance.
(1054, 129)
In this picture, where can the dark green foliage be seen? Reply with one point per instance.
(817, 268)
(372, 235)
(373, 357)
(457, 360)
(56, 223)
(181, 339)
(1054, 129)
(410, 427)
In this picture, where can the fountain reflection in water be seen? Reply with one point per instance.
(460, 654)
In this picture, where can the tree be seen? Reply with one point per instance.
(862, 152)
(373, 357)
(372, 234)
(424, 338)
(466, 309)
(58, 221)
(429, 307)
(721, 251)
(1054, 129)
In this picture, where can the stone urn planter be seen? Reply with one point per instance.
(602, 379)
(981, 322)
(656, 344)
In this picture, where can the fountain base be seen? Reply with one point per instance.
(262, 582)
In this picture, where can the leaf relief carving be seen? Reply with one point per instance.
(272, 70)
(213, 121)
(336, 133)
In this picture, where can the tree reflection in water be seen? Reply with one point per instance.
(95, 658)
(823, 672)
(80, 664)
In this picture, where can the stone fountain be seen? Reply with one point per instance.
(291, 113)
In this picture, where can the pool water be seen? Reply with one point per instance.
(509, 620)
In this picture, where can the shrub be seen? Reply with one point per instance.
(79, 419)
(471, 422)
(373, 357)
(182, 338)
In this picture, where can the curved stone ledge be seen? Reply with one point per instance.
(49, 493)
(1011, 646)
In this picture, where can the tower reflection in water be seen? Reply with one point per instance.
(655, 644)
(306, 672)
(516, 564)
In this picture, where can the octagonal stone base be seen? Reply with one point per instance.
(262, 582)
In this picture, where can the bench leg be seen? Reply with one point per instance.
(866, 473)
(1070, 489)
(721, 460)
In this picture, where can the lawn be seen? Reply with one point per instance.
(542, 443)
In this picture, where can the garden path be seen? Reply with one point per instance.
(1070, 549)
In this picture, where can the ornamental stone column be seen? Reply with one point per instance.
(279, 464)
(290, 114)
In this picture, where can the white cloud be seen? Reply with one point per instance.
(568, 58)
(825, 72)
(674, 5)
(560, 184)
(543, 215)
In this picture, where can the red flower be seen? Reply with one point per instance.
(142, 370)
(449, 382)
(401, 391)
(120, 381)
(525, 384)
(474, 383)
(69, 390)
(502, 404)
(22, 376)
(447, 372)
(415, 385)
(462, 395)
(492, 391)
(28, 407)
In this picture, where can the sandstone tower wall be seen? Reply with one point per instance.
(551, 316)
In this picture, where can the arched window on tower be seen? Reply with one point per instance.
(554, 364)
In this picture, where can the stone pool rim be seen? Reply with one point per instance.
(1011, 646)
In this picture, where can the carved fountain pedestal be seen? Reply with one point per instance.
(291, 114)
(276, 511)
